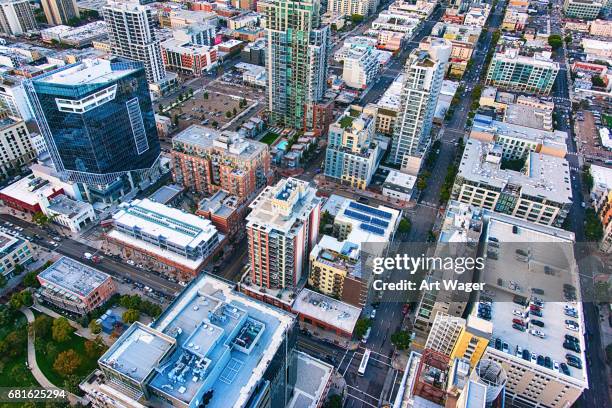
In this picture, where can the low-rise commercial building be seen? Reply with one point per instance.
(187, 58)
(477, 15)
(512, 71)
(601, 28)
(26, 194)
(400, 23)
(74, 215)
(75, 287)
(399, 185)
(13, 251)
(596, 49)
(212, 344)
(225, 211)
(320, 315)
(75, 36)
(541, 193)
(183, 242)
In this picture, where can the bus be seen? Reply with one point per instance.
(364, 363)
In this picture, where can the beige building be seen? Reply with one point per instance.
(58, 12)
(601, 28)
(13, 251)
(16, 149)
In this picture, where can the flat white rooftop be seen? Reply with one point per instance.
(88, 71)
(327, 309)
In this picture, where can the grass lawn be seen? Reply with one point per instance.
(77, 343)
(13, 370)
(607, 120)
(270, 138)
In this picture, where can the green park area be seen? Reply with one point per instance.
(270, 138)
(13, 349)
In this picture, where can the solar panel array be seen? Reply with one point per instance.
(371, 221)
(370, 210)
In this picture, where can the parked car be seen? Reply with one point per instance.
(536, 322)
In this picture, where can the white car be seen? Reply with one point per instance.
(571, 327)
(517, 312)
(537, 333)
(373, 314)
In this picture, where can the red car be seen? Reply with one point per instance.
(518, 321)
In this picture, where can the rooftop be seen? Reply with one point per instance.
(225, 341)
(29, 189)
(333, 204)
(547, 176)
(67, 274)
(556, 138)
(8, 243)
(166, 194)
(312, 378)
(513, 55)
(88, 71)
(220, 204)
(283, 206)
(530, 117)
(368, 224)
(207, 138)
(338, 254)
(549, 264)
(327, 309)
(602, 176)
(66, 206)
(396, 180)
(462, 223)
(391, 98)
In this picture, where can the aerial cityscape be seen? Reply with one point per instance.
(306, 203)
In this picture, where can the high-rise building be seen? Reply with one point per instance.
(98, 122)
(282, 228)
(13, 97)
(601, 198)
(298, 47)
(16, 17)
(352, 153)
(132, 35)
(515, 72)
(206, 161)
(423, 75)
(60, 11)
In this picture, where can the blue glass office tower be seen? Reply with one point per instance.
(98, 122)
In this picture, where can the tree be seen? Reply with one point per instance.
(593, 229)
(16, 301)
(18, 269)
(568, 39)
(597, 81)
(401, 339)
(95, 327)
(421, 183)
(602, 292)
(14, 343)
(3, 281)
(67, 362)
(61, 330)
(26, 298)
(130, 316)
(404, 226)
(555, 41)
(205, 95)
(215, 123)
(130, 301)
(175, 120)
(357, 18)
(228, 114)
(95, 348)
(361, 327)
(42, 326)
(31, 280)
(587, 179)
(334, 401)
(40, 219)
(234, 112)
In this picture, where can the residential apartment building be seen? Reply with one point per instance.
(456, 337)
(477, 15)
(209, 335)
(349, 7)
(282, 228)
(186, 58)
(58, 12)
(601, 200)
(75, 287)
(352, 154)
(16, 17)
(206, 160)
(514, 20)
(601, 28)
(298, 48)
(515, 72)
(16, 149)
(13, 98)
(423, 75)
(541, 193)
(111, 146)
(132, 35)
(181, 243)
(13, 251)
(582, 9)
(361, 65)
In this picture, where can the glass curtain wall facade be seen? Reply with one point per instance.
(100, 133)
